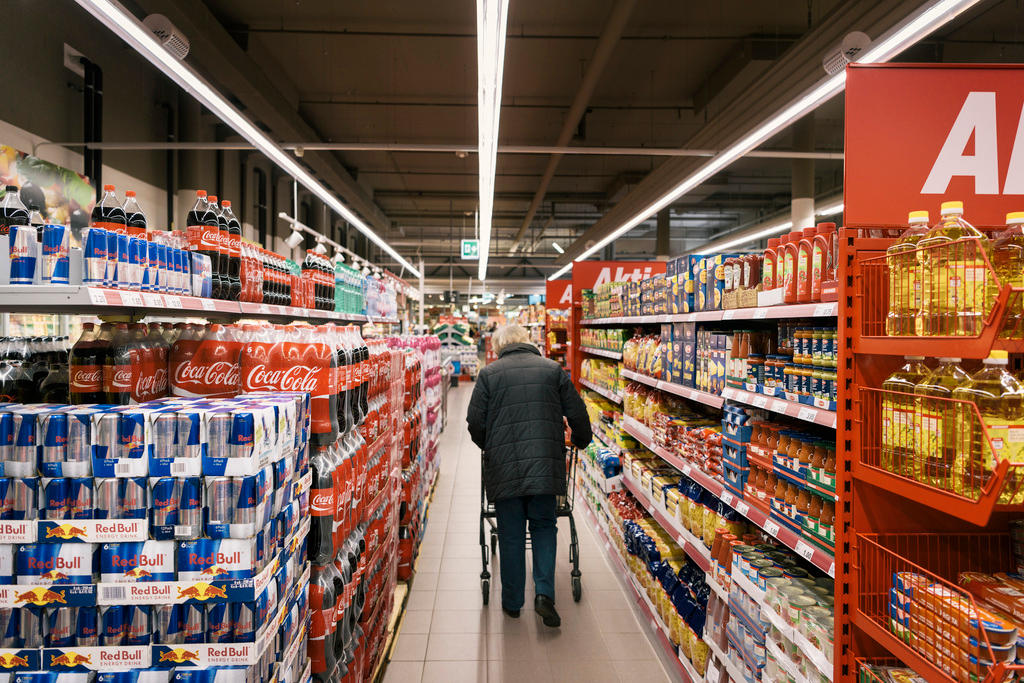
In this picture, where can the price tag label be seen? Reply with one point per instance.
(833, 425)
(823, 310)
(760, 401)
(687, 469)
(131, 298)
(808, 414)
(208, 304)
(97, 297)
(805, 551)
(729, 314)
(742, 508)
(832, 570)
(153, 300)
(771, 528)
(173, 301)
(727, 497)
(264, 309)
(779, 406)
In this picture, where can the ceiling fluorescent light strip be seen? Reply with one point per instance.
(491, 23)
(112, 15)
(923, 23)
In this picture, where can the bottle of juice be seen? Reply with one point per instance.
(1008, 261)
(955, 293)
(935, 424)
(898, 415)
(822, 259)
(788, 248)
(904, 277)
(769, 268)
(999, 397)
(804, 247)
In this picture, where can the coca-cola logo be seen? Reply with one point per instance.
(149, 385)
(87, 379)
(322, 502)
(122, 379)
(295, 378)
(218, 374)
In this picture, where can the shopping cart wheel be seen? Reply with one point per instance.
(577, 586)
(494, 544)
(485, 586)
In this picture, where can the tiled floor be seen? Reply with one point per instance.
(448, 635)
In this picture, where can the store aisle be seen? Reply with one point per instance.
(448, 635)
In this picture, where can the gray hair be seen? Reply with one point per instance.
(509, 334)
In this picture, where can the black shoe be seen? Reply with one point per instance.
(545, 607)
(514, 613)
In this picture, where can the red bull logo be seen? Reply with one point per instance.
(9, 660)
(138, 573)
(179, 655)
(40, 597)
(66, 532)
(214, 571)
(69, 659)
(201, 591)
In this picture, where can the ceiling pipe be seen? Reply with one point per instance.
(613, 30)
(301, 147)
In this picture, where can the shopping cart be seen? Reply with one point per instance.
(489, 527)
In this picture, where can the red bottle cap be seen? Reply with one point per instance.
(108, 188)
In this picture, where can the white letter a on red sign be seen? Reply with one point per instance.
(977, 117)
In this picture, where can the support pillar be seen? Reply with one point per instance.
(802, 207)
(662, 240)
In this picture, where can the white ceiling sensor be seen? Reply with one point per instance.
(847, 52)
(168, 35)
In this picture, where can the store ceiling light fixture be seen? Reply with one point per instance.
(123, 23)
(923, 22)
(491, 23)
(558, 247)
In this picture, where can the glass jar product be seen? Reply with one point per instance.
(755, 368)
(768, 574)
(795, 608)
(817, 346)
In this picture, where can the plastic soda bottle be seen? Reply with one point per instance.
(999, 398)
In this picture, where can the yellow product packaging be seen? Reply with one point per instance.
(700, 655)
(697, 519)
(686, 642)
(673, 502)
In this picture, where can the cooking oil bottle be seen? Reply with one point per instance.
(999, 397)
(935, 424)
(898, 415)
(954, 299)
(1008, 261)
(904, 277)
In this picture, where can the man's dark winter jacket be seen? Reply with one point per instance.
(515, 416)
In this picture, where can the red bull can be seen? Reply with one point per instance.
(24, 251)
(112, 624)
(21, 462)
(59, 631)
(55, 498)
(30, 627)
(167, 625)
(137, 261)
(110, 275)
(165, 435)
(86, 621)
(78, 459)
(219, 500)
(219, 628)
(134, 503)
(107, 498)
(94, 255)
(53, 429)
(242, 436)
(18, 498)
(246, 495)
(165, 502)
(136, 625)
(188, 492)
(151, 274)
(80, 497)
(106, 436)
(9, 627)
(219, 431)
(193, 628)
(243, 618)
(124, 278)
(55, 255)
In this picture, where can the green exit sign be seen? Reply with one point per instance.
(470, 250)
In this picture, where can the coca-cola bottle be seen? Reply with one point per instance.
(54, 387)
(12, 383)
(12, 210)
(88, 356)
(322, 603)
(162, 349)
(135, 219)
(343, 631)
(108, 213)
(234, 250)
(204, 236)
(205, 363)
(117, 371)
(322, 506)
(221, 263)
(319, 364)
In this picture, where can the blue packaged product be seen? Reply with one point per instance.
(219, 628)
(112, 625)
(87, 627)
(137, 561)
(55, 255)
(54, 563)
(228, 558)
(94, 267)
(137, 629)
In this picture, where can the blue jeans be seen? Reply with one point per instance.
(512, 514)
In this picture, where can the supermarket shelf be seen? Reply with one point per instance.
(610, 395)
(818, 416)
(730, 668)
(74, 299)
(614, 355)
(686, 540)
(820, 310)
(708, 399)
(641, 598)
(819, 558)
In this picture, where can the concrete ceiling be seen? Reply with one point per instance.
(404, 72)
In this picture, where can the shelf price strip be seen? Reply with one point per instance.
(819, 558)
(713, 400)
(821, 310)
(614, 355)
(610, 395)
(825, 418)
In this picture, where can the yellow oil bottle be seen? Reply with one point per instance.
(999, 398)
(1008, 261)
(955, 297)
(935, 424)
(897, 416)
(904, 277)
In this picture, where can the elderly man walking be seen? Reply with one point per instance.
(515, 416)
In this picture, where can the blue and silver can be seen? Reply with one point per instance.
(23, 253)
(55, 255)
(94, 268)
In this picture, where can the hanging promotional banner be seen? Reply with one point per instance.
(590, 274)
(919, 135)
(558, 294)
